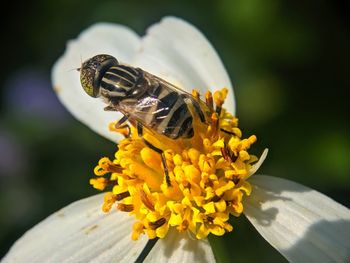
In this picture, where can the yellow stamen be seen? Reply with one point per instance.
(106, 166)
(195, 94)
(207, 176)
(209, 99)
(125, 207)
(158, 223)
(109, 200)
(146, 201)
(99, 183)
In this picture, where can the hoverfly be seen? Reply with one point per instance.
(143, 98)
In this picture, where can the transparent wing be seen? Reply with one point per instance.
(167, 84)
(199, 105)
(144, 110)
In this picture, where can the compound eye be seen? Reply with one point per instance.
(87, 81)
(91, 73)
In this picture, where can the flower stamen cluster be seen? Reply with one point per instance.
(207, 173)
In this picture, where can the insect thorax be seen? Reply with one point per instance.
(121, 81)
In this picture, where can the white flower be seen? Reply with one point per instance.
(302, 224)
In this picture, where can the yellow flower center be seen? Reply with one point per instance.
(207, 173)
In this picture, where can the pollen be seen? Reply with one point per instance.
(206, 176)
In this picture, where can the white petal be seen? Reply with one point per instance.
(177, 52)
(302, 224)
(115, 40)
(177, 247)
(172, 49)
(80, 232)
(256, 166)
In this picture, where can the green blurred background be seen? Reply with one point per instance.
(289, 62)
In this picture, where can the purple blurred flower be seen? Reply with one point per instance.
(13, 160)
(29, 93)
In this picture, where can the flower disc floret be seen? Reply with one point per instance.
(207, 175)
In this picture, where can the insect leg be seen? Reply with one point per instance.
(121, 124)
(121, 121)
(154, 148)
(110, 108)
(228, 132)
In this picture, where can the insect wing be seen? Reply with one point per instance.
(142, 110)
(199, 106)
(154, 80)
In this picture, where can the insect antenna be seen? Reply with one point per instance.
(81, 63)
(74, 69)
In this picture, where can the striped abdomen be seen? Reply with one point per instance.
(170, 116)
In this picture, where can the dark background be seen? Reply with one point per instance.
(289, 62)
